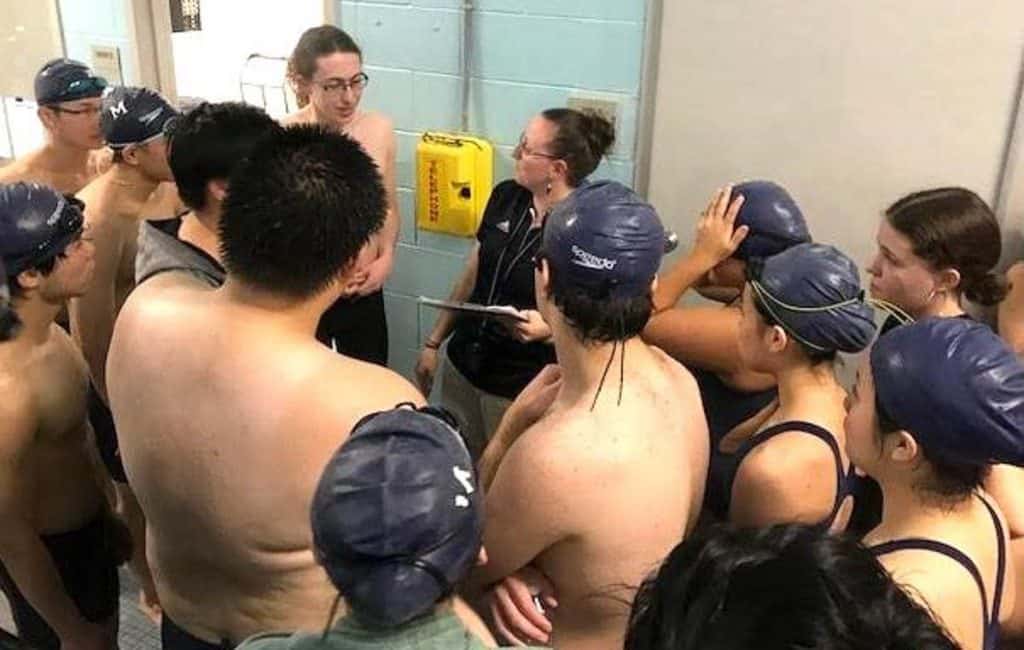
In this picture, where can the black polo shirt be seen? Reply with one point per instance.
(484, 350)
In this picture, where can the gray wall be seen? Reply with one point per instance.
(849, 103)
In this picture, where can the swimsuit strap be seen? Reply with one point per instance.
(809, 428)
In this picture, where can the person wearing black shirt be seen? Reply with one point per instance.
(488, 361)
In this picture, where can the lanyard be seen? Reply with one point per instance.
(527, 242)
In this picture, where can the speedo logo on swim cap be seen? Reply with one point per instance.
(588, 260)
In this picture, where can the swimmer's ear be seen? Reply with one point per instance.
(48, 117)
(481, 558)
(901, 447)
(130, 154)
(30, 279)
(776, 339)
(543, 277)
(948, 280)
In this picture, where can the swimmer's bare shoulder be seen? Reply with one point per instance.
(365, 386)
(18, 170)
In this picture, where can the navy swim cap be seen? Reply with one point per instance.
(774, 219)
(66, 80)
(954, 385)
(134, 116)
(813, 291)
(606, 239)
(36, 223)
(397, 516)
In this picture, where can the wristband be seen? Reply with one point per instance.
(431, 345)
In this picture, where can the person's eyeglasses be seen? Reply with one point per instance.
(522, 149)
(356, 84)
(88, 110)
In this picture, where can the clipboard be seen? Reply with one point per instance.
(503, 312)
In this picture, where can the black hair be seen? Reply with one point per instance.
(951, 227)
(777, 588)
(595, 314)
(314, 43)
(813, 355)
(43, 267)
(950, 480)
(581, 139)
(299, 211)
(209, 141)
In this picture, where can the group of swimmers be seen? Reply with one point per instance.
(604, 469)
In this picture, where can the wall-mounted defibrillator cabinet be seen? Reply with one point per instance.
(454, 177)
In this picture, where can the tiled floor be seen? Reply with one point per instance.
(137, 632)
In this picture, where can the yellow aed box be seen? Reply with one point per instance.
(454, 177)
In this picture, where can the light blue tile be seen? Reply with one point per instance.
(558, 51)
(438, 4)
(407, 209)
(406, 37)
(428, 317)
(500, 110)
(623, 10)
(403, 321)
(405, 161)
(422, 272)
(438, 102)
(403, 361)
(504, 164)
(616, 169)
(445, 243)
(390, 92)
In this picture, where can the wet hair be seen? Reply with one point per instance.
(949, 481)
(299, 211)
(813, 355)
(598, 316)
(775, 589)
(952, 227)
(208, 142)
(581, 139)
(314, 43)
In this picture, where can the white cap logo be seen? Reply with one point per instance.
(465, 478)
(118, 110)
(588, 260)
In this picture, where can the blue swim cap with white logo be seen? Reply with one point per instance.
(605, 240)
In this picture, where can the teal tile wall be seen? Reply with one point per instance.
(528, 55)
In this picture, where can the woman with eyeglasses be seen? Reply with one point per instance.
(489, 361)
(326, 71)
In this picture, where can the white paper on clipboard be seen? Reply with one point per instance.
(504, 312)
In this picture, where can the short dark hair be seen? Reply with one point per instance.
(581, 139)
(316, 42)
(44, 267)
(950, 480)
(209, 141)
(777, 588)
(300, 210)
(951, 227)
(596, 315)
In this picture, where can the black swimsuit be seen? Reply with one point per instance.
(727, 473)
(989, 621)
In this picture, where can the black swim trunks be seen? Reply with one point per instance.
(175, 637)
(87, 561)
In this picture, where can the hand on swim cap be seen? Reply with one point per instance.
(775, 220)
(717, 236)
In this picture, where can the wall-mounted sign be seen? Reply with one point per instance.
(185, 16)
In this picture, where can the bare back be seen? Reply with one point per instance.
(624, 484)
(225, 427)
